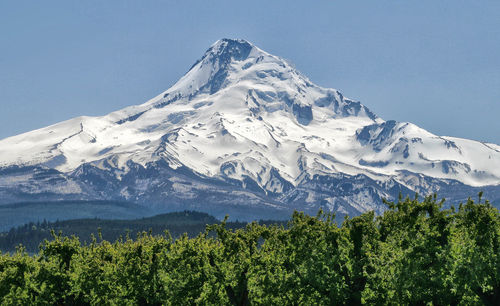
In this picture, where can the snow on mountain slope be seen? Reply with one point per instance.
(241, 114)
(393, 147)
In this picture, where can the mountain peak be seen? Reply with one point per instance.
(209, 73)
(225, 50)
(264, 82)
(242, 126)
(238, 49)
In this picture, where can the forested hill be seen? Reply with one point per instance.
(32, 234)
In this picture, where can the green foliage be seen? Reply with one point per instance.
(416, 253)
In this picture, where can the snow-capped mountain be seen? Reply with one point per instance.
(245, 133)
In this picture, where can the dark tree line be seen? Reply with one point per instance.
(31, 235)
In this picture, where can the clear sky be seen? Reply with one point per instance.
(433, 63)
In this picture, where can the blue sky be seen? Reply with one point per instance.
(433, 63)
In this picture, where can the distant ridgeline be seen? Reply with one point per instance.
(32, 234)
(415, 253)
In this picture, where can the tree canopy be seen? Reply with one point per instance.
(415, 253)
